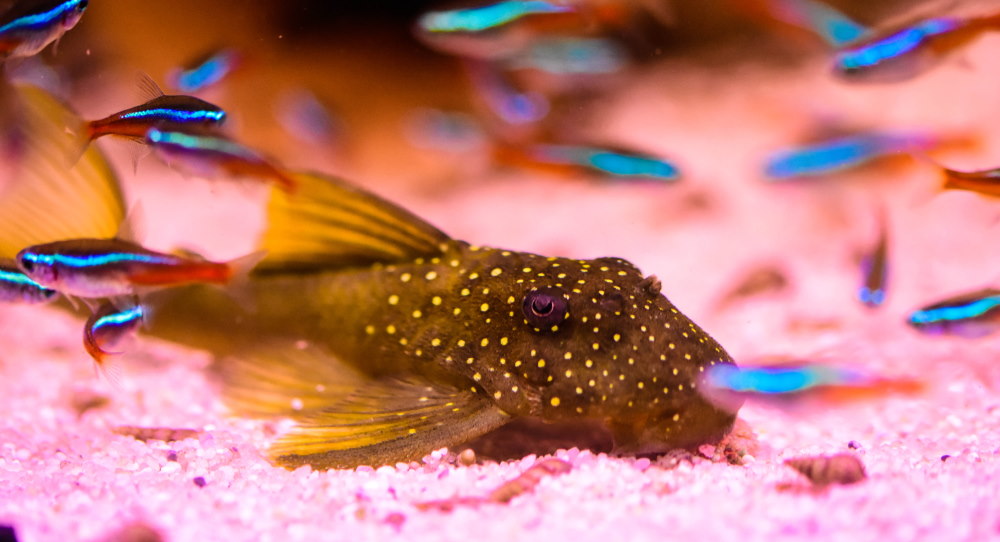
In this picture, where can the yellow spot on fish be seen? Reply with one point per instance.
(390, 329)
(555, 401)
(677, 417)
(484, 307)
(496, 272)
(393, 299)
(484, 342)
(687, 356)
(497, 394)
(641, 385)
(503, 341)
(541, 363)
(370, 330)
(435, 342)
(569, 373)
(470, 360)
(596, 346)
(510, 300)
(436, 300)
(568, 355)
(461, 342)
(417, 314)
(405, 277)
(617, 337)
(431, 275)
(589, 363)
(477, 377)
(465, 291)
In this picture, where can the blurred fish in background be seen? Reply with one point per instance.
(797, 384)
(840, 154)
(898, 54)
(206, 70)
(875, 265)
(971, 315)
(305, 117)
(985, 182)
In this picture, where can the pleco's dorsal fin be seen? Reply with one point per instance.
(386, 422)
(328, 223)
(50, 200)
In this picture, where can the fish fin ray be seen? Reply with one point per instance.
(385, 422)
(330, 223)
(148, 88)
(267, 380)
(50, 200)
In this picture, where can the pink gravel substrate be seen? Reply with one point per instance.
(933, 461)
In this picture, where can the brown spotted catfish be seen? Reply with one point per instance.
(385, 339)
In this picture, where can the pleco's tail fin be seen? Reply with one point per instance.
(50, 200)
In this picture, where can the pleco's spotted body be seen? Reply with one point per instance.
(386, 339)
(442, 337)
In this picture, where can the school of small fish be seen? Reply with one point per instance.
(384, 338)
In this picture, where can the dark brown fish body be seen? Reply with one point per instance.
(614, 350)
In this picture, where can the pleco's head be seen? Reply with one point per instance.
(570, 339)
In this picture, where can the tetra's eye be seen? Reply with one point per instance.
(26, 264)
(545, 307)
(82, 6)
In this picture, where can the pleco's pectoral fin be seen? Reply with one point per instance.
(345, 418)
(50, 200)
(328, 223)
(284, 379)
(385, 422)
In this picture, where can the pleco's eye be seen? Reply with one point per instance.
(545, 307)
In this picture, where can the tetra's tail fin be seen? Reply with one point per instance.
(50, 200)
